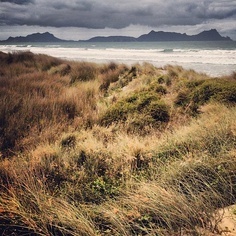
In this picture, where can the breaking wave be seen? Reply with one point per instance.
(214, 61)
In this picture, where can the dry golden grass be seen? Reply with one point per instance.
(42, 105)
(64, 172)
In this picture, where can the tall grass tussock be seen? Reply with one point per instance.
(108, 149)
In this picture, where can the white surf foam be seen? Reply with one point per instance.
(214, 62)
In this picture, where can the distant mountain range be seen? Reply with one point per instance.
(153, 36)
(160, 36)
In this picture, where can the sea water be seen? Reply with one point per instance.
(213, 58)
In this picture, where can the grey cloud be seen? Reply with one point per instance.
(79, 6)
(114, 14)
(18, 2)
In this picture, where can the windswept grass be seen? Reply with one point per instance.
(89, 149)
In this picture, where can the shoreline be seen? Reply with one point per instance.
(214, 63)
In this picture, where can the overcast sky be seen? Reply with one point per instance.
(83, 19)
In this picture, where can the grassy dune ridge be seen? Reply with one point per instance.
(108, 149)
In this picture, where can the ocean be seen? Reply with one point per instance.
(216, 58)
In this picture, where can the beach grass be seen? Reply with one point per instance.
(111, 149)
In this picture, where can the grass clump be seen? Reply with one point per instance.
(219, 90)
(111, 73)
(142, 105)
(198, 92)
(83, 72)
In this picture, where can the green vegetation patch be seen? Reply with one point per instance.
(143, 104)
(219, 90)
(198, 92)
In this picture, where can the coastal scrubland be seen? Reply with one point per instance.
(111, 149)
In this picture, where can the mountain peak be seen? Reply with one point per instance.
(152, 32)
(35, 37)
(213, 30)
(46, 33)
(210, 31)
(210, 35)
(207, 35)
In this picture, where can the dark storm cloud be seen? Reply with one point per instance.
(79, 6)
(113, 14)
(19, 2)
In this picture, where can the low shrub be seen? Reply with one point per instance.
(196, 93)
(158, 110)
(145, 103)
